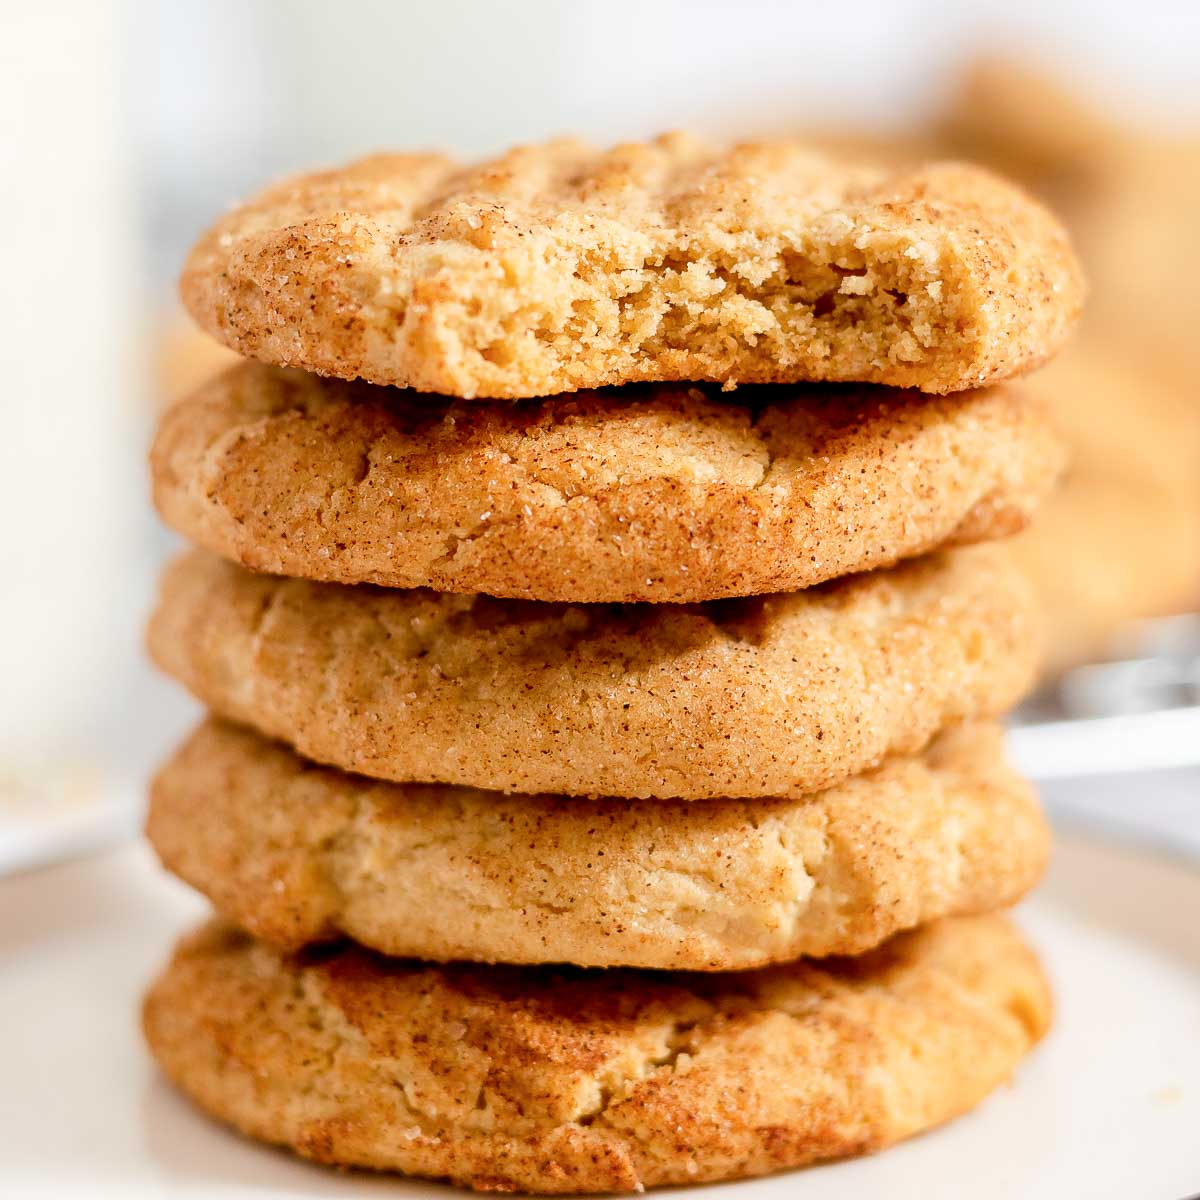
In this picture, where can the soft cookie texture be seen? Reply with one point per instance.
(558, 266)
(660, 493)
(559, 1080)
(765, 696)
(297, 854)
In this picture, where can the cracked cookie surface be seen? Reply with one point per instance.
(764, 696)
(297, 854)
(559, 1080)
(557, 266)
(658, 493)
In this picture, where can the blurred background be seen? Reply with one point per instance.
(129, 126)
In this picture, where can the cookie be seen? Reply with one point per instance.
(558, 266)
(1127, 194)
(659, 493)
(1033, 126)
(1143, 239)
(1104, 555)
(185, 358)
(766, 696)
(297, 854)
(1120, 540)
(559, 1080)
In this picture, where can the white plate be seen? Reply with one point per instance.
(51, 812)
(1109, 1106)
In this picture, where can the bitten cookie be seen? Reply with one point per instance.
(664, 493)
(295, 854)
(767, 696)
(557, 266)
(556, 1080)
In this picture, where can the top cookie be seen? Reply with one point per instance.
(557, 267)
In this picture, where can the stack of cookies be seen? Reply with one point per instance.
(603, 786)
